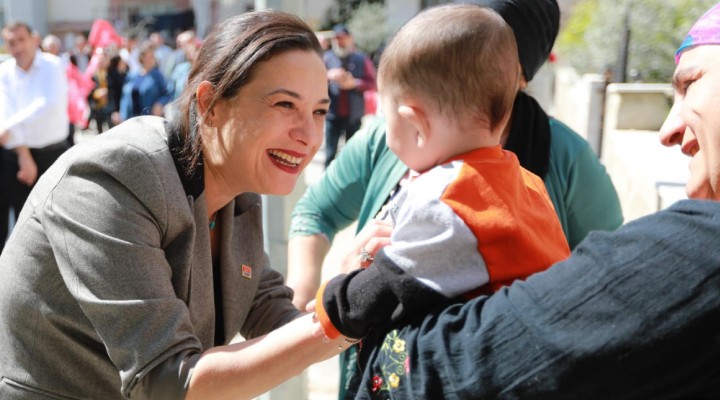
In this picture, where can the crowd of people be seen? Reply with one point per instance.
(105, 80)
(490, 259)
(114, 79)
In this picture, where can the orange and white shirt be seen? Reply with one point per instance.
(471, 225)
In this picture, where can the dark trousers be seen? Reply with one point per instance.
(14, 193)
(101, 117)
(333, 130)
(71, 135)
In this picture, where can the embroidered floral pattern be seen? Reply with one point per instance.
(399, 346)
(376, 383)
(394, 366)
(394, 380)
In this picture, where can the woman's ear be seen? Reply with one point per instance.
(418, 118)
(204, 94)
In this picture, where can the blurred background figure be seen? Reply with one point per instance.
(145, 91)
(179, 76)
(51, 44)
(81, 51)
(177, 56)
(79, 87)
(324, 41)
(350, 73)
(33, 117)
(116, 75)
(162, 51)
(130, 53)
(99, 98)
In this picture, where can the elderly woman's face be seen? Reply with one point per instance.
(264, 137)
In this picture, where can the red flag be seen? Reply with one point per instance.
(102, 34)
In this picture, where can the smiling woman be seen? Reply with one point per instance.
(270, 130)
(140, 253)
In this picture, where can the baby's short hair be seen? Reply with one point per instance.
(462, 58)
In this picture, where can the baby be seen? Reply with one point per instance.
(473, 220)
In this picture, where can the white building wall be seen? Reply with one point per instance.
(77, 10)
(32, 12)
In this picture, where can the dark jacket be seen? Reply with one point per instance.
(361, 68)
(633, 314)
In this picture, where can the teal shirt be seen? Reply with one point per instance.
(354, 187)
(358, 182)
(584, 196)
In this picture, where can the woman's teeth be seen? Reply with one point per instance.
(285, 158)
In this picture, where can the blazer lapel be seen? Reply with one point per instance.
(201, 303)
(242, 260)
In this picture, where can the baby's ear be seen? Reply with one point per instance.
(418, 118)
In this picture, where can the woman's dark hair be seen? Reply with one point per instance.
(227, 59)
(114, 63)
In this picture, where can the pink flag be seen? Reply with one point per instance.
(102, 34)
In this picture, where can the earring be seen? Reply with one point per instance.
(209, 123)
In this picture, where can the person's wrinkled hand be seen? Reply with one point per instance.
(348, 82)
(337, 74)
(373, 237)
(27, 168)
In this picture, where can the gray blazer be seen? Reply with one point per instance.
(107, 277)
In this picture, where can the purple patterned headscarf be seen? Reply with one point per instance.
(705, 31)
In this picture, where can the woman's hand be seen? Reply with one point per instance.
(373, 237)
(247, 369)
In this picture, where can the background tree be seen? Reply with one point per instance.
(342, 10)
(367, 22)
(368, 26)
(590, 41)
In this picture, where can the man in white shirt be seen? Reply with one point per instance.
(33, 117)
